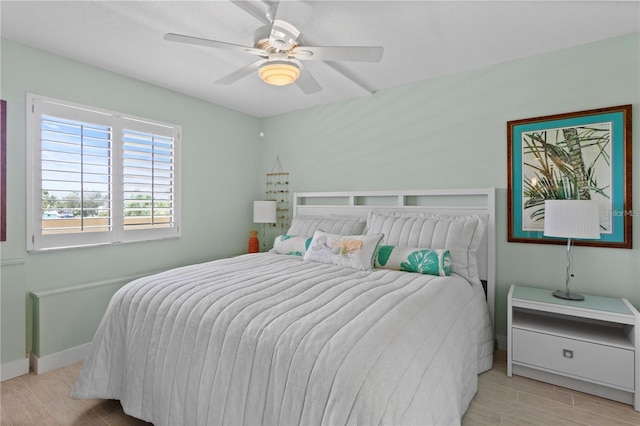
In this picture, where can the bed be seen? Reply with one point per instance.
(337, 324)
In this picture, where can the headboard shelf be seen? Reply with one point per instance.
(454, 202)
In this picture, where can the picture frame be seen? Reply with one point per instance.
(3, 170)
(577, 155)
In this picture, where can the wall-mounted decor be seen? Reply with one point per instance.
(583, 155)
(278, 191)
(3, 171)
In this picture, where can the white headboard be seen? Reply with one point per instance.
(458, 202)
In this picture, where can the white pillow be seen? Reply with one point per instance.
(343, 225)
(291, 245)
(461, 235)
(353, 251)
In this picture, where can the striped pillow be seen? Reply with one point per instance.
(341, 225)
(461, 235)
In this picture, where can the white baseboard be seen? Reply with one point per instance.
(13, 369)
(46, 363)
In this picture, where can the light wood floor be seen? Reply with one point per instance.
(44, 400)
(503, 400)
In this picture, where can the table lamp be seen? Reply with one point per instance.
(571, 219)
(264, 212)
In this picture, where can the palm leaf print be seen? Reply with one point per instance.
(384, 252)
(423, 261)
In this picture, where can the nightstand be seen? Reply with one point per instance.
(592, 346)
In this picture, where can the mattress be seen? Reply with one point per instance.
(272, 339)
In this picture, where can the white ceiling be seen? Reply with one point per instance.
(421, 40)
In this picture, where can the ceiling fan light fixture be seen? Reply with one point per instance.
(279, 73)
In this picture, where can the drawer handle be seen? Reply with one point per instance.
(567, 353)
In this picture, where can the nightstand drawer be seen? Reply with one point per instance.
(586, 360)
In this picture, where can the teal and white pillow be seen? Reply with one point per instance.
(353, 251)
(409, 259)
(291, 245)
(461, 235)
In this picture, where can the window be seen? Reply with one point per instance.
(99, 177)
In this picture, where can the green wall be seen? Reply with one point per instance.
(220, 169)
(450, 132)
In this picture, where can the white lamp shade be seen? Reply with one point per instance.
(264, 212)
(572, 219)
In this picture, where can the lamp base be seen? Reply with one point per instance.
(567, 295)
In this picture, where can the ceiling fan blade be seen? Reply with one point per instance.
(213, 43)
(339, 53)
(306, 82)
(350, 76)
(298, 12)
(272, 9)
(252, 10)
(336, 66)
(240, 73)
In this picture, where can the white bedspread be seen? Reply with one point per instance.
(271, 339)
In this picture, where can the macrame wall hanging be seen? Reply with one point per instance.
(278, 191)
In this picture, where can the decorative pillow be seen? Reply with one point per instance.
(291, 245)
(354, 251)
(461, 235)
(341, 225)
(411, 259)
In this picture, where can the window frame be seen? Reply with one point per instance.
(36, 240)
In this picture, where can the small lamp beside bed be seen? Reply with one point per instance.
(571, 219)
(263, 212)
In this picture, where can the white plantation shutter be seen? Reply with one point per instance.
(98, 177)
(76, 172)
(148, 158)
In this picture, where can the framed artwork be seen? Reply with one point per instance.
(582, 155)
(3, 171)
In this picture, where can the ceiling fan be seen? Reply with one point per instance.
(282, 53)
